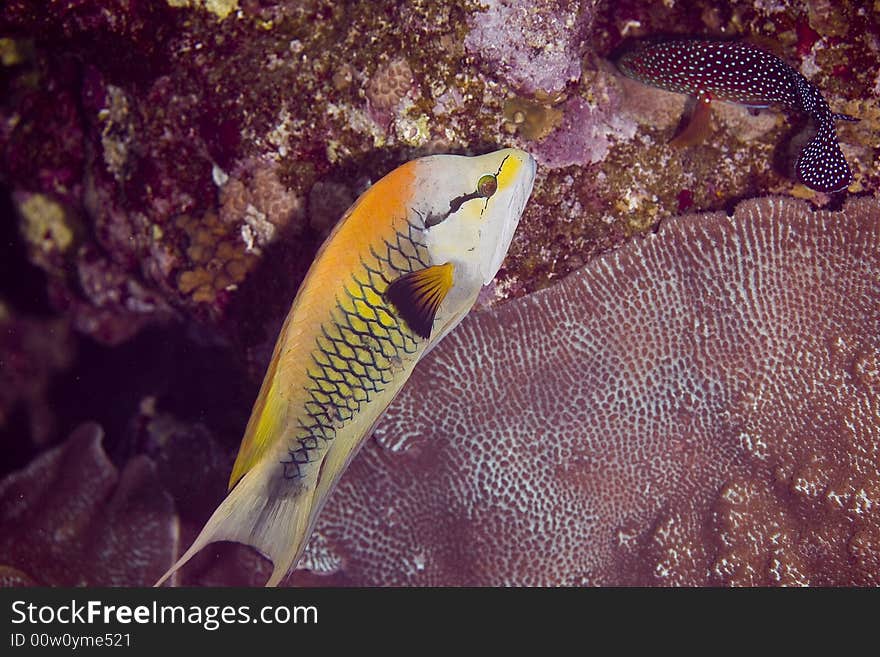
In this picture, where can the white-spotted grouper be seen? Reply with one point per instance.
(742, 73)
(400, 270)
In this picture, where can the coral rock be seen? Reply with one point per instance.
(71, 519)
(328, 201)
(531, 46)
(531, 119)
(390, 85)
(261, 194)
(698, 407)
(585, 135)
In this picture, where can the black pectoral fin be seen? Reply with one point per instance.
(418, 294)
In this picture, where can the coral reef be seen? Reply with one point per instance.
(531, 47)
(168, 170)
(676, 412)
(711, 429)
(71, 519)
(134, 157)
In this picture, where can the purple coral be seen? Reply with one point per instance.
(676, 412)
(588, 130)
(531, 45)
(71, 518)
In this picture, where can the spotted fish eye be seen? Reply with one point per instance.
(487, 185)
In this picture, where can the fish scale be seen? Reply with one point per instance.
(742, 73)
(359, 350)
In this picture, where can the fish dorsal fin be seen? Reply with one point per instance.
(266, 417)
(418, 294)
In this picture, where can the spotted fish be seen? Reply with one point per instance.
(399, 271)
(742, 73)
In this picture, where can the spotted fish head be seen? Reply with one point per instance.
(472, 209)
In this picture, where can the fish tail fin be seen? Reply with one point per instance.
(822, 165)
(258, 514)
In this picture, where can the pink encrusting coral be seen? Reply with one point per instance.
(588, 129)
(531, 46)
(70, 518)
(698, 407)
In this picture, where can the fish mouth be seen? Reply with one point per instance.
(519, 196)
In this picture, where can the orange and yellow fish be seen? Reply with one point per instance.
(400, 270)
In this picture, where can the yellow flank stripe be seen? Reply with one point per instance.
(385, 319)
(372, 298)
(364, 311)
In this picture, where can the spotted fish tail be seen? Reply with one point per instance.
(821, 165)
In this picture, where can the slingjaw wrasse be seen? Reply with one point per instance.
(400, 270)
(742, 73)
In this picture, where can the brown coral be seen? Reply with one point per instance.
(218, 263)
(260, 192)
(390, 84)
(698, 407)
(829, 18)
(532, 119)
(71, 519)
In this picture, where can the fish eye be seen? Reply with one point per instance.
(487, 185)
